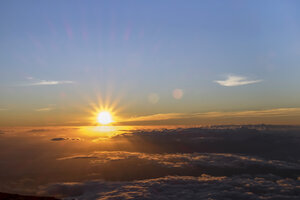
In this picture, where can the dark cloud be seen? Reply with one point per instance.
(182, 187)
(120, 165)
(38, 130)
(59, 139)
(270, 142)
(62, 139)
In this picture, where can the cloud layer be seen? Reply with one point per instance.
(233, 80)
(155, 165)
(182, 187)
(279, 142)
(241, 162)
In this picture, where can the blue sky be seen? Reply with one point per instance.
(57, 54)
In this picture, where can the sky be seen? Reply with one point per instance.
(151, 62)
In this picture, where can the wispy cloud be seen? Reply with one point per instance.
(233, 80)
(43, 109)
(45, 82)
(163, 116)
(40, 82)
(284, 115)
(46, 108)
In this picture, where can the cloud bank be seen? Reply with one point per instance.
(109, 162)
(233, 80)
(182, 187)
(274, 142)
(241, 162)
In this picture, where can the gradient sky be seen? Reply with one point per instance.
(154, 59)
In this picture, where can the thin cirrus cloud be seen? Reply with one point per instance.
(39, 82)
(45, 82)
(44, 109)
(233, 80)
(255, 116)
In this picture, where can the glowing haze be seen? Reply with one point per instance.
(149, 63)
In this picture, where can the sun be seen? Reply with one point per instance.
(104, 118)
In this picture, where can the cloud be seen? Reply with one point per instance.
(3, 109)
(276, 115)
(59, 139)
(205, 162)
(181, 187)
(45, 82)
(242, 162)
(233, 80)
(38, 130)
(39, 82)
(44, 109)
(163, 116)
(62, 139)
(47, 108)
(271, 142)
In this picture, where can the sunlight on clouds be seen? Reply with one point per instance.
(236, 81)
(100, 133)
(163, 116)
(234, 117)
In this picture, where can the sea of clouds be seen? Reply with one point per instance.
(182, 187)
(222, 162)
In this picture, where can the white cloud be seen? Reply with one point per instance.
(44, 82)
(37, 82)
(233, 80)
